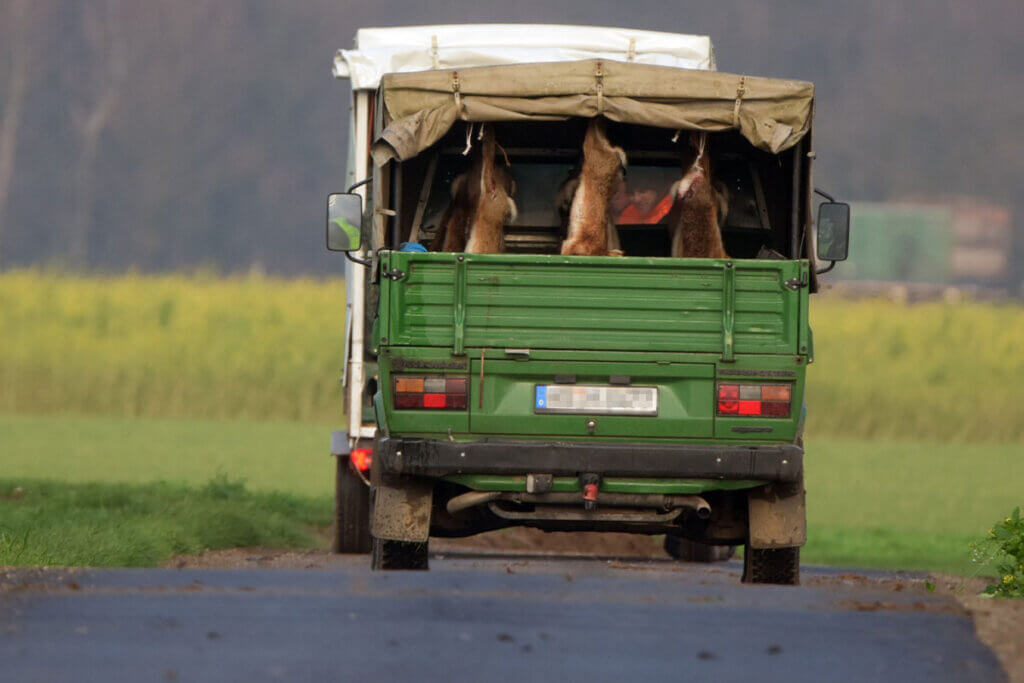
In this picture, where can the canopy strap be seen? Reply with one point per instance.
(599, 78)
(741, 90)
(631, 54)
(435, 53)
(458, 95)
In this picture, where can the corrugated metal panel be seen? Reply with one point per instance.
(555, 302)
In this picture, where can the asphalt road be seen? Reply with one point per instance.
(481, 618)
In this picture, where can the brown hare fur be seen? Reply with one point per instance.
(698, 210)
(481, 204)
(591, 229)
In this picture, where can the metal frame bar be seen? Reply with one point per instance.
(355, 280)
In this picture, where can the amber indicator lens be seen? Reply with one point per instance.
(754, 400)
(430, 393)
(776, 392)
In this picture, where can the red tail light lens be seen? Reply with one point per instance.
(754, 400)
(361, 458)
(431, 393)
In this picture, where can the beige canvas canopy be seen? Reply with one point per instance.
(772, 114)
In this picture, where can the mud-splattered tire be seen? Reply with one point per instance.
(399, 555)
(351, 511)
(779, 566)
(692, 551)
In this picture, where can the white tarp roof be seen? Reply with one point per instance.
(423, 48)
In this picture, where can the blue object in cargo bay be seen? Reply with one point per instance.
(542, 396)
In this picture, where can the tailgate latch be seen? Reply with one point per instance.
(797, 283)
(395, 274)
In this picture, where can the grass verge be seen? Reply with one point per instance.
(121, 525)
(894, 504)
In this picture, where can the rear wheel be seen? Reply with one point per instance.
(773, 565)
(399, 555)
(692, 551)
(351, 510)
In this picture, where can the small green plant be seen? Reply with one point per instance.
(222, 487)
(12, 546)
(1003, 550)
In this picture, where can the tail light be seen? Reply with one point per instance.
(361, 458)
(754, 400)
(430, 393)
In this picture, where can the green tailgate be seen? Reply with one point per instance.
(508, 323)
(591, 303)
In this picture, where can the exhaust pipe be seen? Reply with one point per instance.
(471, 499)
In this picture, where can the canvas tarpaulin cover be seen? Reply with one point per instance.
(773, 114)
(402, 49)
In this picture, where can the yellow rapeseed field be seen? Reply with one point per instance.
(171, 345)
(262, 347)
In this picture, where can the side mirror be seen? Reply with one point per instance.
(833, 231)
(344, 216)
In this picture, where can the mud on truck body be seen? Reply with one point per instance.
(640, 393)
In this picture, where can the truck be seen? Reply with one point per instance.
(638, 393)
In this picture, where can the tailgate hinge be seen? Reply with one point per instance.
(728, 311)
(459, 307)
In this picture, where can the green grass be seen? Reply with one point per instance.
(141, 525)
(884, 504)
(293, 457)
(906, 504)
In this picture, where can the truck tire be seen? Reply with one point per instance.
(692, 551)
(774, 565)
(399, 555)
(351, 511)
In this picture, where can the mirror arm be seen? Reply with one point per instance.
(353, 259)
(364, 181)
(830, 266)
(824, 194)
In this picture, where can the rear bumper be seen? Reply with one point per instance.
(427, 458)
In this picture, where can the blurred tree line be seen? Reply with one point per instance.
(166, 135)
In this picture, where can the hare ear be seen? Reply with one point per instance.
(457, 184)
(513, 212)
(622, 155)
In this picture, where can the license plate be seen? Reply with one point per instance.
(595, 400)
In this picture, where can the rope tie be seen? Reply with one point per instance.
(435, 54)
(458, 95)
(631, 54)
(599, 78)
(741, 90)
